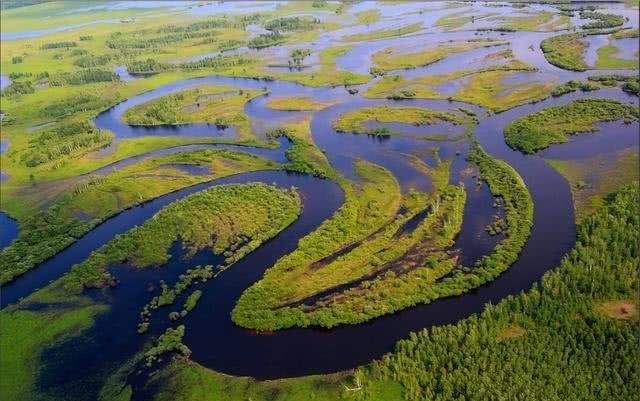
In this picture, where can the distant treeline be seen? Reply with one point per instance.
(151, 66)
(291, 24)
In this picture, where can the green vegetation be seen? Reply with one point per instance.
(58, 45)
(192, 301)
(82, 77)
(44, 233)
(24, 334)
(626, 34)
(390, 272)
(593, 178)
(303, 155)
(384, 33)
(168, 294)
(229, 219)
(80, 104)
(289, 24)
(353, 121)
(601, 21)
(266, 40)
(297, 56)
(296, 104)
(216, 63)
(169, 341)
(484, 87)
(220, 105)
(368, 17)
(18, 88)
(369, 205)
(184, 380)
(331, 290)
(384, 250)
(65, 141)
(328, 74)
(392, 59)
(552, 125)
(572, 86)
(541, 21)
(630, 83)
(532, 332)
(565, 51)
(458, 19)
(607, 59)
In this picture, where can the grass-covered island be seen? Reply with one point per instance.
(553, 125)
(319, 201)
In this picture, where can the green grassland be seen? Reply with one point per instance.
(57, 14)
(626, 34)
(187, 381)
(460, 18)
(391, 59)
(542, 21)
(25, 334)
(534, 21)
(369, 206)
(368, 17)
(607, 59)
(567, 51)
(296, 104)
(353, 121)
(383, 33)
(484, 87)
(592, 179)
(552, 125)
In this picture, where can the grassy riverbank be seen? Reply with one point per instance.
(85, 203)
(554, 124)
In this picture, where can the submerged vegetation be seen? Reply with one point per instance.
(552, 125)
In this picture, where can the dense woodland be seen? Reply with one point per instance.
(555, 341)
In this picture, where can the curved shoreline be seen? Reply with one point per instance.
(288, 353)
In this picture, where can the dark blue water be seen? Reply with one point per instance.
(8, 230)
(214, 340)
